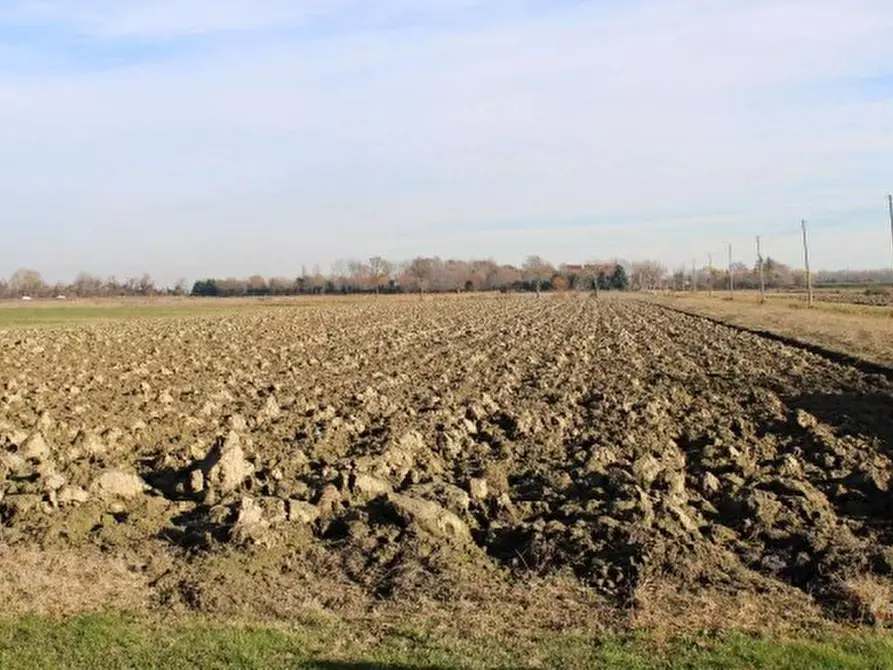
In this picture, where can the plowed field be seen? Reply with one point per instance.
(567, 458)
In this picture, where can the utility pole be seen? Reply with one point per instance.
(694, 281)
(731, 276)
(710, 270)
(760, 265)
(806, 260)
(890, 205)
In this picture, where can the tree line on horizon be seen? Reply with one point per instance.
(26, 282)
(425, 275)
(436, 275)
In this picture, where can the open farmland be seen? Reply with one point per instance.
(508, 462)
(873, 296)
(859, 331)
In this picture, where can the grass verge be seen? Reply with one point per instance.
(129, 642)
(856, 330)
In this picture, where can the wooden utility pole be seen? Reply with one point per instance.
(694, 281)
(811, 298)
(710, 270)
(760, 266)
(731, 276)
(890, 206)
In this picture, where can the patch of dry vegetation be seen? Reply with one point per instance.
(857, 330)
(64, 582)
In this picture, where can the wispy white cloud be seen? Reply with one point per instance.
(691, 122)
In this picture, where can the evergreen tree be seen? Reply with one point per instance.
(619, 279)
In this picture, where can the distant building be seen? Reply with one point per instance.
(593, 268)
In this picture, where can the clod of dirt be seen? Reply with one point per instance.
(329, 502)
(275, 510)
(14, 506)
(478, 489)
(250, 525)
(118, 484)
(366, 487)
(301, 511)
(446, 495)
(35, 448)
(87, 444)
(45, 423)
(269, 411)
(427, 517)
(646, 470)
(225, 468)
(11, 435)
(791, 467)
(12, 464)
(237, 423)
(72, 495)
(196, 481)
(806, 420)
(710, 484)
(254, 518)
(399, 458)
(53, 481)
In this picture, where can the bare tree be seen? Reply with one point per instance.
(536, 270)
(282, 285)
(111, 287)
(232, 286)
(181, 287)
(338, 274)
(587, 278)
(455, 275)
(419, 274)
(358, 274)
(26, 282)
(778, 275)
(742, 275)
(647, 275)
(380, 271)
(679, 278)
(506, 277)
(87, 285)
(317, 282)
(482, 274)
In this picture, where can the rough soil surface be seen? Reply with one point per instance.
(567, 458)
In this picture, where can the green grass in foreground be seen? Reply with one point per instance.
(122, 642)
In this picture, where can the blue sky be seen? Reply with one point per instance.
(227, 137)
